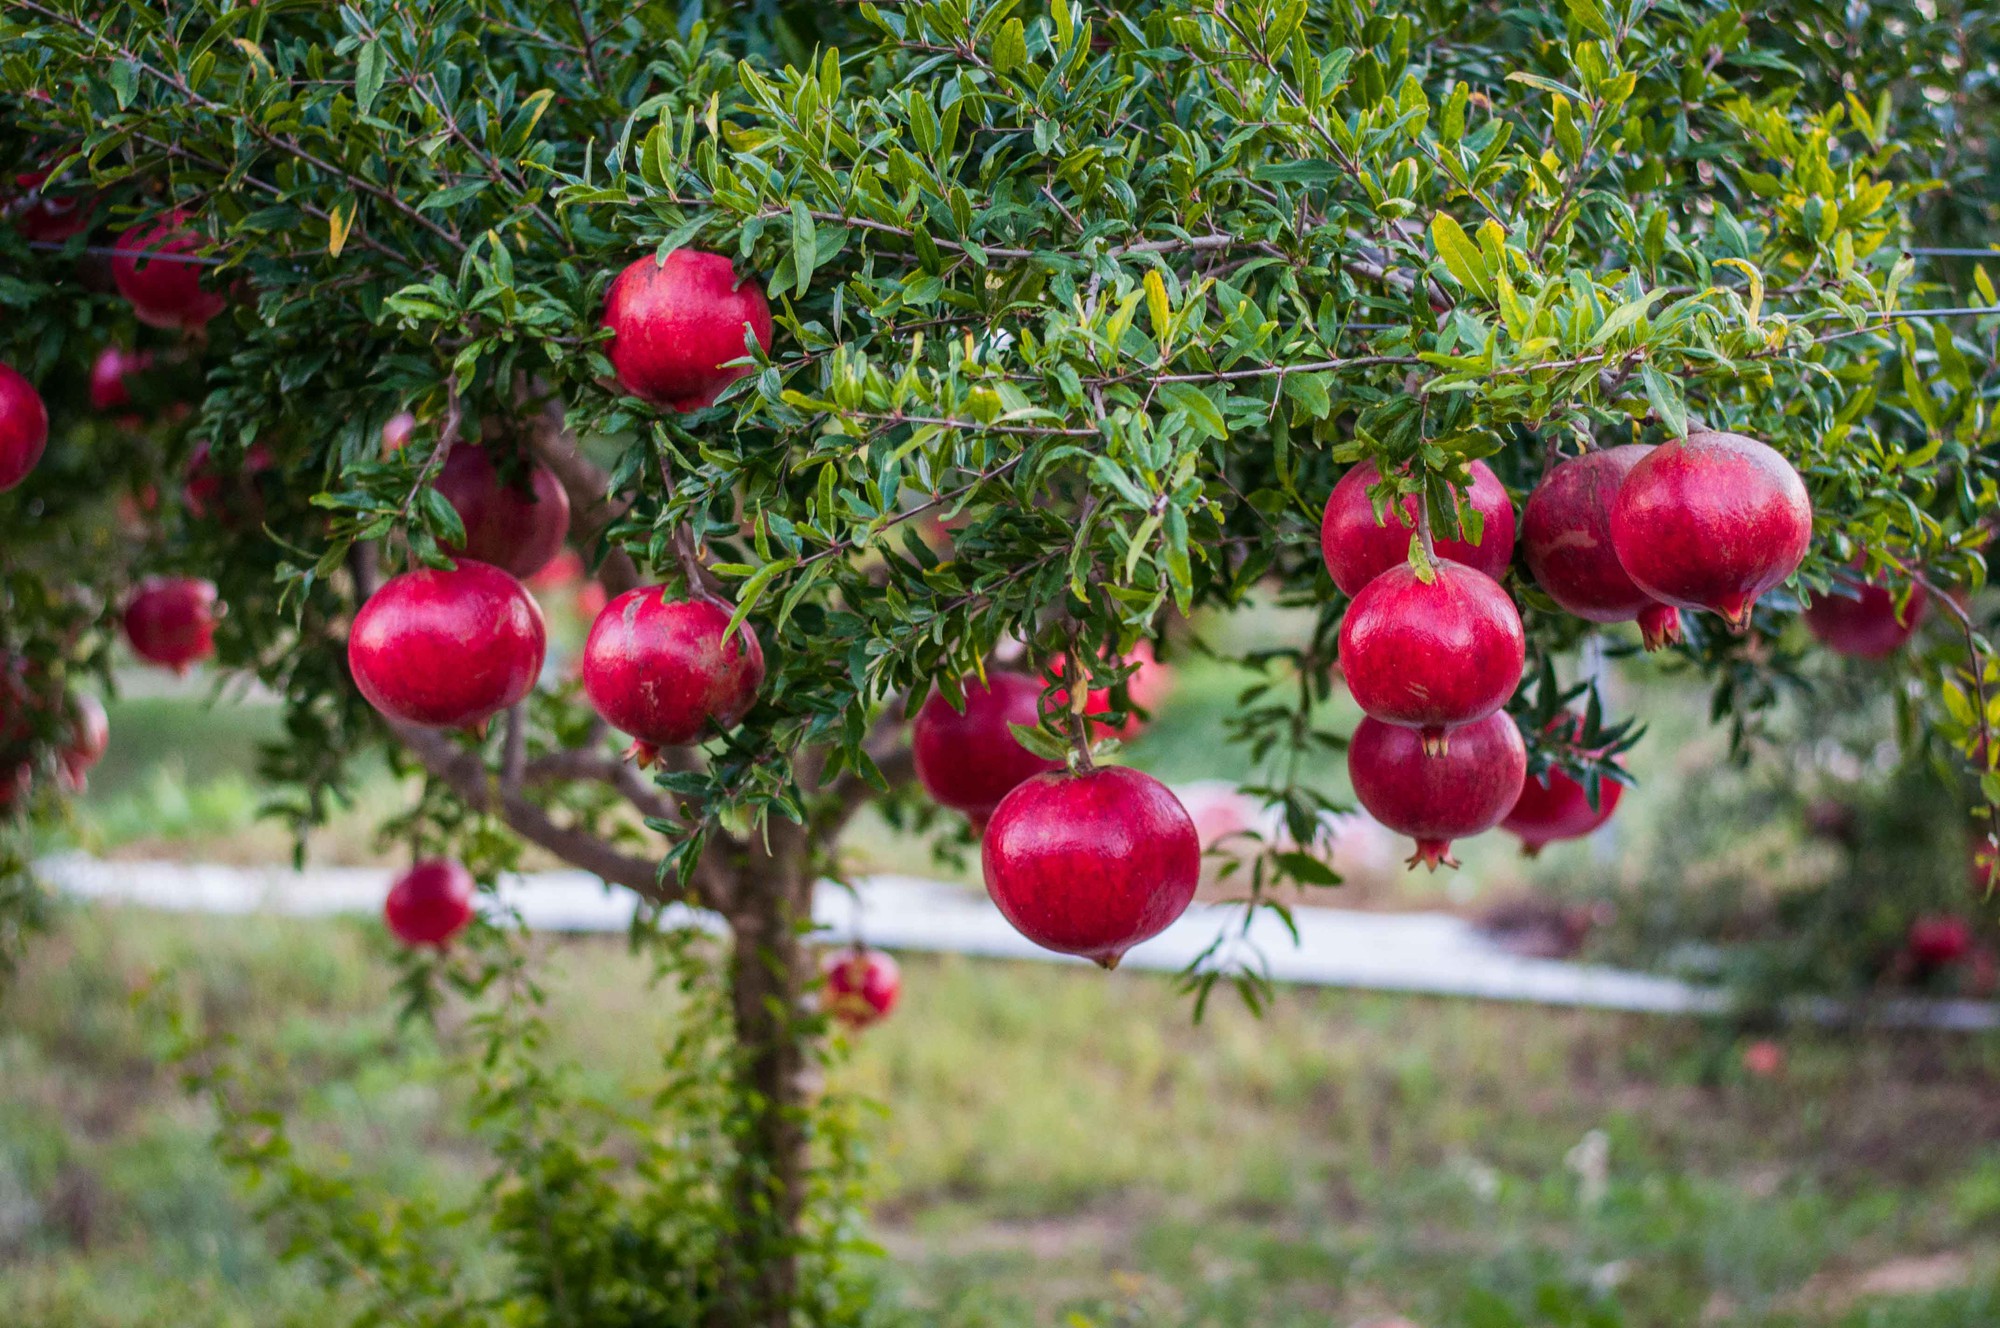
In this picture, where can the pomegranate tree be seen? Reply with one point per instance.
(862, 985)
(159, 271)
(24, 427)
(969, 759)
(430, 903)
(1566, 535)
(447, 648)
(517, 523)
(657, 668)
(1358, 548)
(675, 325)
(170, 621)
(1432, 654)
(1436, 798)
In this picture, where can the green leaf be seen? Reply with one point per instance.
(1461, 256)
(805, 245)
(1040, 741)
(370, 69)
(1665, 395)
(1010, 47)
(751, 591)
(1196, 405)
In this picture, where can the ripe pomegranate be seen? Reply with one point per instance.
(111, 376)
(430, 903)
(674, 325)
(1149, 684)
(24, 427)
(45, 217)
(397, 432)
(1866, 625)
(1432, 655)
(969, 760)
(90, 736)
(1566, 535)
(1553, 806)
(1764, 1059)
(562, 571)
(231, 496)
(164, 290)
(1358, 549)
(518, 524)
(1091, 863)
(861, 985)
(170, 621)
(1937, 941)
(1436, 799)
(657, 668)
(1711, 522)
(447, 649)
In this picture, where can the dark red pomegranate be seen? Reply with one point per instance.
(1712, 522)
(674, 325)
(1358, 549)
(1938, 941)
(1553, 806)
(1436, 799)
(42, 215)
(228, 493)
(516, 522)
(1865, 623)
(396, 434)
(447, 649)
(111, 375)
(1433, 655)
(24, 427)
(656, 667)
(170, 620)
(430, 903)
(150, 265)
(969, 761)
(861, 985)
(90, 737)
(1091, 863)
(1566, 536)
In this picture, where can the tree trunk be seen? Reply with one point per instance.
(772, 903)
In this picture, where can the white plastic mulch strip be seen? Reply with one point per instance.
(1427, 953)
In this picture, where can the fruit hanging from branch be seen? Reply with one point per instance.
(430, 903)
(447, 648)
(1148, 685)
(226, 494)
(1091, 863)
(516, 524)
(1435, 799)
(170, 621)
(24, 427)
(1358, 548)
(45, 214)
(969, 760)
(674, 325)
(1555, 806)
(152, 268)
(862, 985)
(1432, 655)
(1865, 621)
(1712, 522)
(111, 377)
(1566, 536)
(656, 667)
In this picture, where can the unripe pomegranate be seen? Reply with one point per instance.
(1436, 799)
(1432, 655)
(164, 290)
(1553, 806)
(1358, 549)
(1712, 522)
(430, 903)
(90, 737)
(861, 985)
(397, 432)
(447, 649)
(969, 760)
(1937, 941)
(43, 217)
(674, 325)
(1867, 625)
(1091, 863)
(111, 375)
(1566, 535)
(516, 525)
(170, 621)
(229, 495)
(657, 668)
(24, 427)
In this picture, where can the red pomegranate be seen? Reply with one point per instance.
(170, 621)
(1764, 1059)
(561, 572)
(430, 903)
(397, 432)
(1938, 941)
(150, 264)
(226, 493)
(24, 427)
(674, 325)
(1553, 806)
(1712, 522)
(969, 760)
(1566, 535)
(861, 985)
(1149, 684)
(45, 217)
(447, 649)
(1358, 549)
(1866, 624)
(90, 737)
(656, 667)
(1091, 863)
(1432, 655)
(517, 523)
(1436, 799)
(111, 375)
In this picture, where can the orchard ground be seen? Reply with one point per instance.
(1061, 1142)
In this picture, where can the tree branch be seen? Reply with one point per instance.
(592, 506)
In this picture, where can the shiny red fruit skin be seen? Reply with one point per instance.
(430, 903)
(862, 986)
(1553, 806)
(1091, 863)
(1712, 522)
(518, 527)
(1865, 627)
(1938, 941)
(656, 667)
(447, 649)
(1432, 656)
(675, 325)
(171, 621)
(1566, 537)
(110, 376)
(24, 427)
(162, 291)
(1436, 799)
(1357, 549)
(970, 761)
(90, 738)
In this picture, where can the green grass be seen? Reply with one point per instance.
(1058, 1142)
